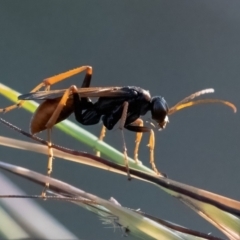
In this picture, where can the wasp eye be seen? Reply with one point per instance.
(159, 109)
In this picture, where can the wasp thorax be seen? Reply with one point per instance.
(159, 109)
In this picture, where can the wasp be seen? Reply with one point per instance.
(125, 105)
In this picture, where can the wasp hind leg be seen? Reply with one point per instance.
(50, 162)
(51, 81)
(51, 122)
(47, 84)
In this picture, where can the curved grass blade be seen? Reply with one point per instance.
(222, 212)
(132, 222)
(21, 222)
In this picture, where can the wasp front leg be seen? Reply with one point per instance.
(138, 123)
(137, 126)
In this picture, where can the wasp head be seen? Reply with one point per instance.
(159, 109)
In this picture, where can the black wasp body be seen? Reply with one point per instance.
(110, 109)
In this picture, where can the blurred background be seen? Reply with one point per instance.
(172, 49)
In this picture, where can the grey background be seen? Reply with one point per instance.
(172, 48)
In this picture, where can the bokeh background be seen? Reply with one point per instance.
(172, 48)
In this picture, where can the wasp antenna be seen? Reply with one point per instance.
(196, 94)
(202, 101)
(192, 96)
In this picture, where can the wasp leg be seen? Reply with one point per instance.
(138, 122)
(47, 83)
(57, 78)
(72, 89)
(101, 137)
(51, 122)
(151, 144)
(53, 119)
(50, 162)
(121, 126)
(53, 80)
(137, 126)
(109, 121)
(50, 153)
(18, 104)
